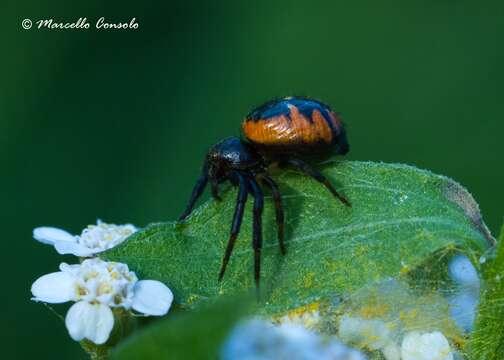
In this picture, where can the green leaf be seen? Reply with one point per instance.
(487, 341)
(400, 217)
(196, 335)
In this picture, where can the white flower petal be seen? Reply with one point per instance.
(89, 321)
(463, 307)
(462, 271)
(49, 235)
(66, 247)
(152, 297)
(71, 269)
(391, 351)
(427, 346)
(53, 288)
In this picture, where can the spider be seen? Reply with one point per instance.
(285, 132)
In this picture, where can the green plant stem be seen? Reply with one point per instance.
(487, 341)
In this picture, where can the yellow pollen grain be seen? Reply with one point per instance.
(310, 308)
(405, 269)
(408, 316)
(372, 338)
(308, 280)
(81, 291)
(374, 311)
(90, 275)
(192, 298)
(391, 326)
(104, 288)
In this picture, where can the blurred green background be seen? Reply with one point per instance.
(114, 124)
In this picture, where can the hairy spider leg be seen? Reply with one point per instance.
(257, 229)
(196, 193)
(237, 220)
(277, 197)
(307, 169)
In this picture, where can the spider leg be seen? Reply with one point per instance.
(237, 219)
(257, 229)
(279, 210)
(196, 193)
(307, 169)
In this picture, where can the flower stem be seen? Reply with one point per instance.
(95, 352)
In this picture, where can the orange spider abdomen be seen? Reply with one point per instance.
(295, 124)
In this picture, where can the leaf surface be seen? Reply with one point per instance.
(400, 217)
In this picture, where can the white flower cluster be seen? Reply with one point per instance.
(261, 340)
(93, 239)
(96, 286)
(377, 335)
